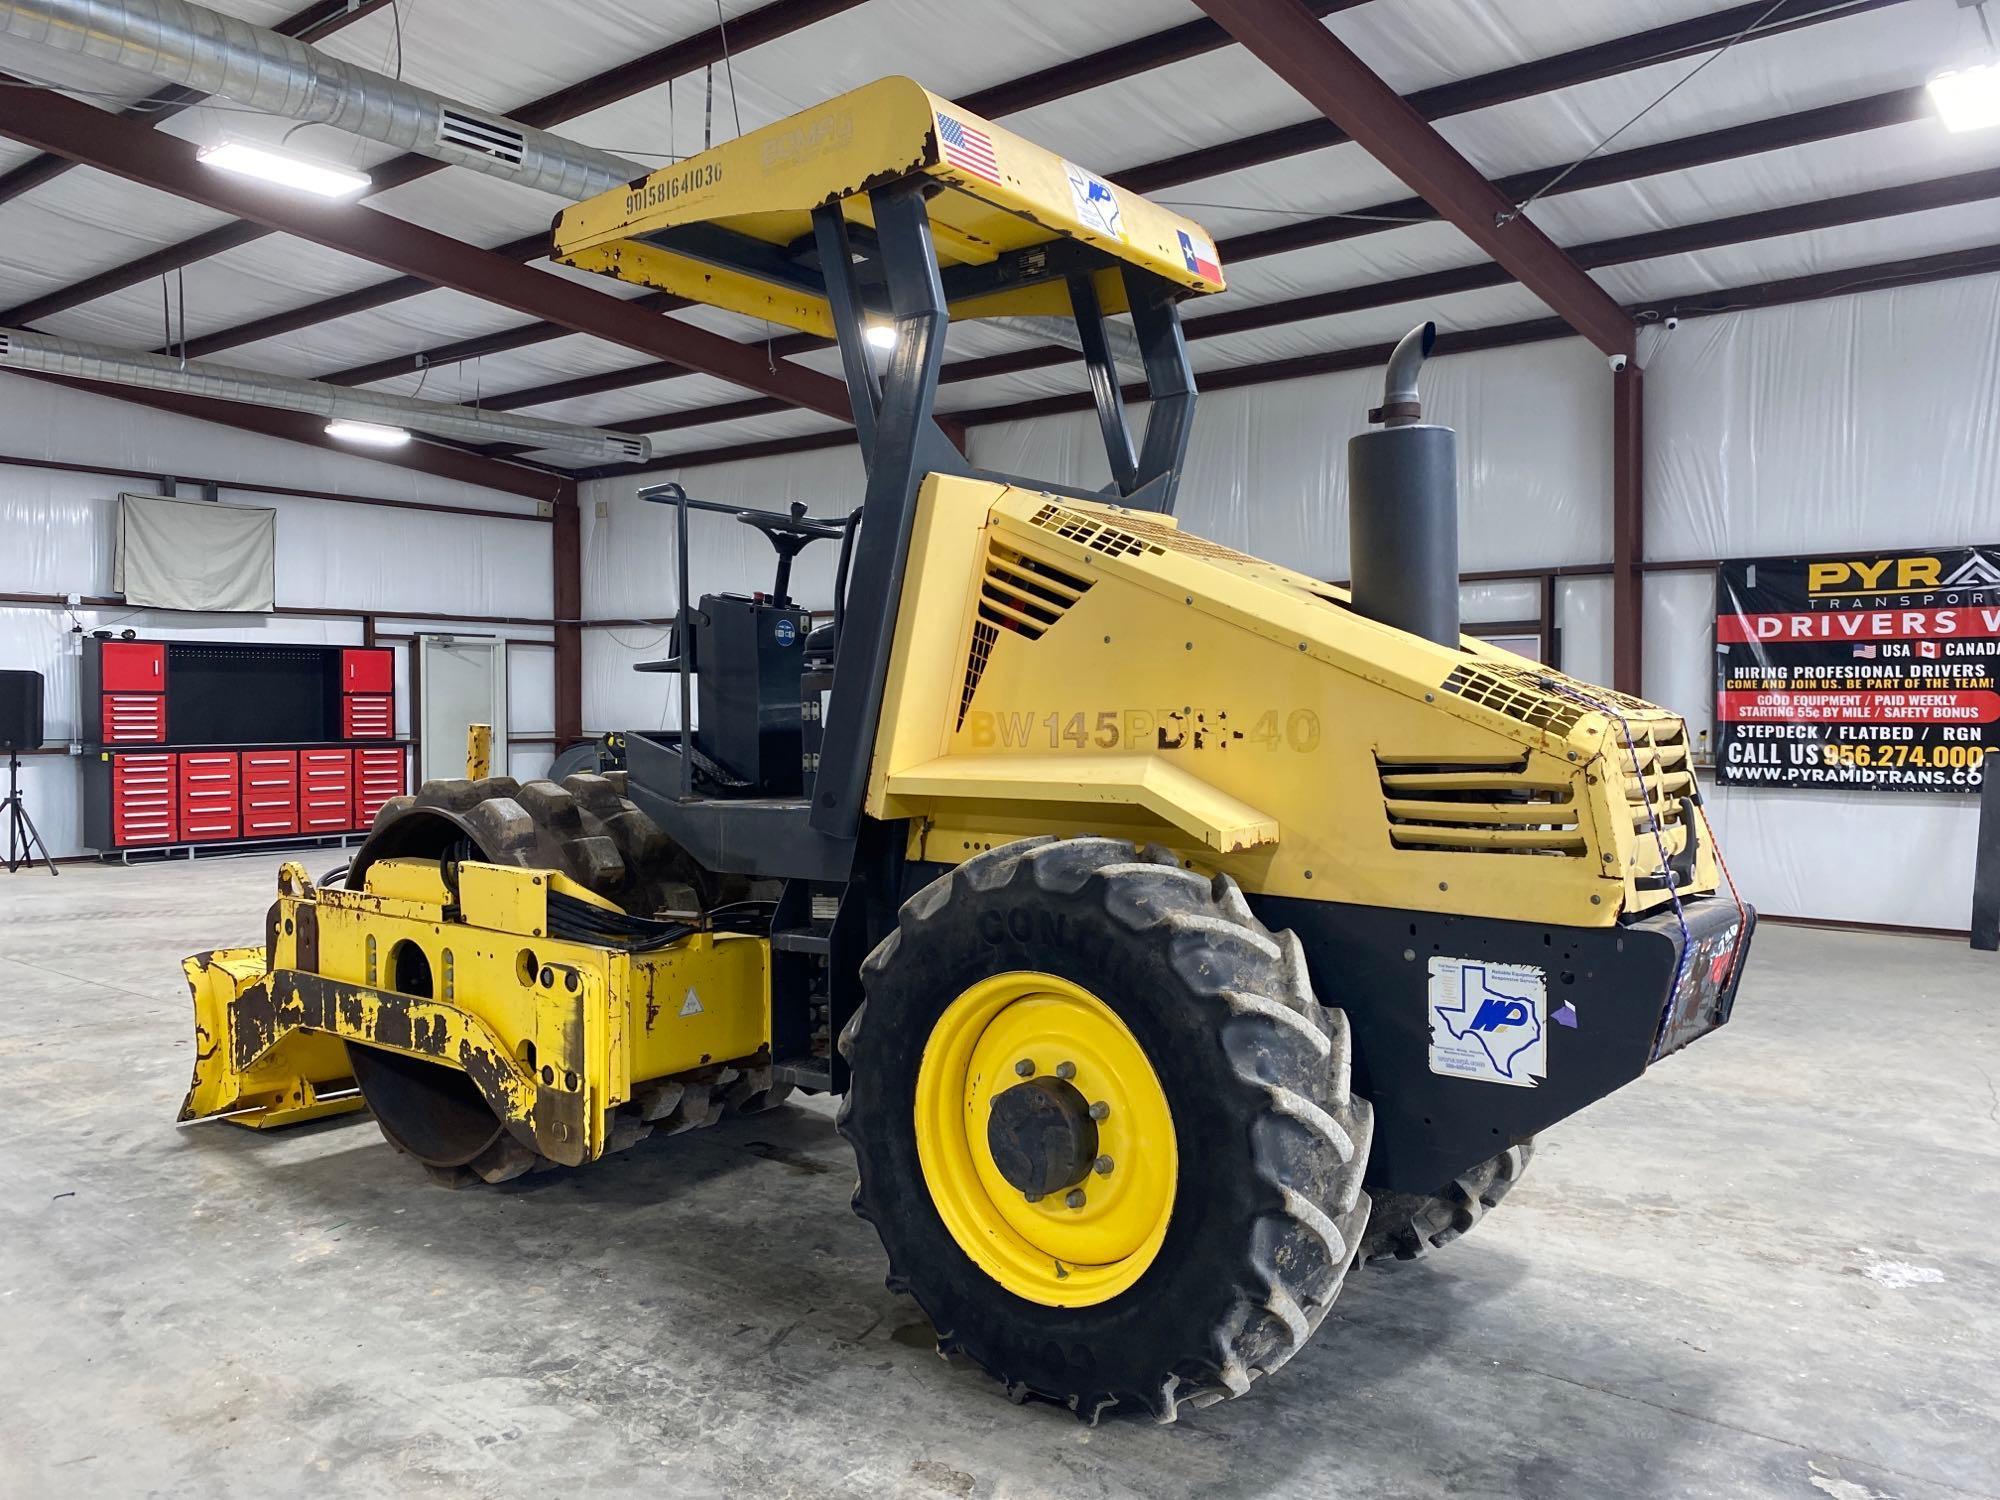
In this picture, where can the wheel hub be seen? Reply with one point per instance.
(1041, 1136)
(1045, 1139)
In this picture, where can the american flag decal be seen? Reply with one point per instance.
(966, 148)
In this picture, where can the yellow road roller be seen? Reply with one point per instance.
(1176, 928)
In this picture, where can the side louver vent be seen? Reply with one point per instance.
(1657, 779)
(1489, 808)
(481, 136)
(637, 450)
(1018, 594)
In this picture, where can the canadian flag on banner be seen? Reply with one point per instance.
(1927, 648)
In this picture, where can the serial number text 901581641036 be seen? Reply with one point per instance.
(660, 189)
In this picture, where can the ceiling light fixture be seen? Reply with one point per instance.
(368, 434)
(882, 335)
(284, 169)
(1968, 98)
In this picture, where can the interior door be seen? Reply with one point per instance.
(461, 681)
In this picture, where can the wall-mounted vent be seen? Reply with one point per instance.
(1021, 595)
(1479, 808)
(481, 136)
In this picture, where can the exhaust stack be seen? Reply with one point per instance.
(1402, 507)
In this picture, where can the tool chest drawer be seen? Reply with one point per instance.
(207, 806)
(134, 718)
(378, 778)
(367, 717)
(270, 799)
(326, 791)
(142, 799)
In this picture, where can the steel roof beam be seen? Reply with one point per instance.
(1950, 265)
(96, 138)
(1580, 65)
(1291, 41)
(767, 23)
(1730, 143)
(440, 459)
(1176, 44)
(318, 20)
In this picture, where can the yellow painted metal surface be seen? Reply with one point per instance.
(304, 1077)
(555, 1033)
(478, 751)
(1071, 1249)
(1045, 646)
(996, 193)
(1137, 777)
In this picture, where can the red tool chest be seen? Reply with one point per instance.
(205, 742)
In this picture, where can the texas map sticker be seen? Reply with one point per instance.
(1489, 1022)
(1095, 203)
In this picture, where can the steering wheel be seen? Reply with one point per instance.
(790, 534)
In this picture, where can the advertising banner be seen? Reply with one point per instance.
(1870, 672)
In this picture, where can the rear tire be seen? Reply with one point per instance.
(1406, 1226)
(1267, 1142)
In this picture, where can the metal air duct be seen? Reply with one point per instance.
(21, 350)
(201, 49)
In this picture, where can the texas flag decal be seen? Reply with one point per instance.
(1199, 254)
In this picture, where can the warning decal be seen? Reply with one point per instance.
(692, 1005)
(1488, 1021)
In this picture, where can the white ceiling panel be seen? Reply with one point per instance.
(1940, 229)
(680, 394)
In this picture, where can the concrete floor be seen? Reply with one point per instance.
(1766, 1270)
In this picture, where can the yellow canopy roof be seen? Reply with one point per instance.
(714, 228)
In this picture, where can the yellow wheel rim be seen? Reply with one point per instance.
(1073, 1247)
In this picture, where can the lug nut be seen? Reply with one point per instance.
(1102, 1166)
(1100, 1110)
(1065, 1070)
(1074, 1198)
(1024, 1068)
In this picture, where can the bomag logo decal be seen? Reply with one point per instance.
(1140, 729)
(1885, 575)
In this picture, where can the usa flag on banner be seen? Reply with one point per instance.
(966, 148)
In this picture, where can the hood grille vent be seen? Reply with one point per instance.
(1021, 595)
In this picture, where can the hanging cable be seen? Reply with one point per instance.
(1509, 215)
(728, 66)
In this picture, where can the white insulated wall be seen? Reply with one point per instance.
(1862, 421)
(56, 532)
